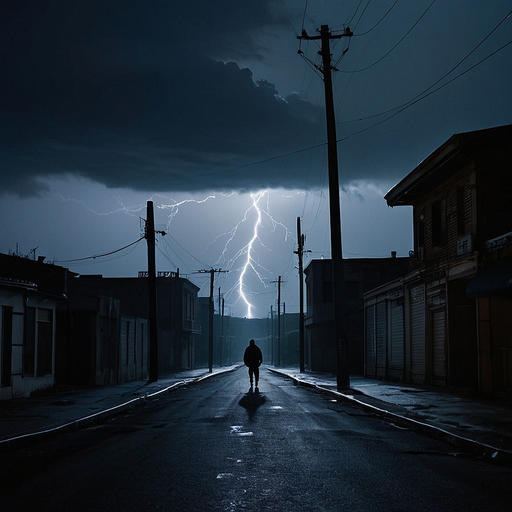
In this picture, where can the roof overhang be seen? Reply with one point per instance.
(445, 161)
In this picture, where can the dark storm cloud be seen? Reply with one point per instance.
(162, 95)
(132, 94)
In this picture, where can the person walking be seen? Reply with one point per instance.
(253, 359)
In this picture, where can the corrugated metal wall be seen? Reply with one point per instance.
(438, 346)
(417, 333)
(381, 338)
(370, 341)
(396, 358)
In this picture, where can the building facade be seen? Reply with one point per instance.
(360, 275)
(114, 312)
(448, 302)
(29, 294)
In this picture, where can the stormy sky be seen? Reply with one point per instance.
(201, 106)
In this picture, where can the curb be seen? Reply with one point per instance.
(73, 426)
(483, 450)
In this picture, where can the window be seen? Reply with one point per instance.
(421, 232)
(190, 313)
(44, 341)
(461, 224)
(29, 343)
(438, 225)
(6, 345)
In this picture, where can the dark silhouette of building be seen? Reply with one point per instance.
(455, 304)
(360, 275)
(30, 292)
(104, 328)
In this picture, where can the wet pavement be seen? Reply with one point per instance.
(25, 420)
(481, 426)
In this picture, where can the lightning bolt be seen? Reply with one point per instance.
(175, 205)
(249, 260)
(241, 258)
(248, 253)
(133, 210)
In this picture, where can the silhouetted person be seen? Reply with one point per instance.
(253, 359)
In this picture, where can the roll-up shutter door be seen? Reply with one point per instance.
(381, 338)
(370, 340)
(396, 343)
(418, 334)
(438, 346)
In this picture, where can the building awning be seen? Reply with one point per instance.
(492, 280)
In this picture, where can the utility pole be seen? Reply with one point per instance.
(153, 333)
(283, 358)
(278, 320)
(222, 336)
(342, 373)
(220, 327)
(272, 331)
(210, 316)
(300, 252)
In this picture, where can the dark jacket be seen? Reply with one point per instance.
(253, 356)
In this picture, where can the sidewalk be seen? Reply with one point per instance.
(481, 426)
(25, 419)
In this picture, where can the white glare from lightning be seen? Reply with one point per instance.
(247, 252)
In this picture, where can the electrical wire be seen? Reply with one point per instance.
(401, 39)
(100, 255)
(398, 109)
(361, 15)
(446, 74)
(355, 12)
(418, 99)
(304, 15)
(376, 24)
(183, 249)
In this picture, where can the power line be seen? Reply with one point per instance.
(100, 255)
(361, 15)
(183, 249)
(448, 73)
(322, 144)
(418, 99)
(376, 24)
(349, 22)
(389, 51)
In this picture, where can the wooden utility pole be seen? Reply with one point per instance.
(210, 316)
(278, 320)
(222, 336)
(220, 329)
(299, 252)
(272, 331)
(283, 330)
(342, 373)
(153, 332)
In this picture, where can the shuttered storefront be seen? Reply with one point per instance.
(381, 338)
(369, 367)
(417, 307)
(438, 346)
(396, 356)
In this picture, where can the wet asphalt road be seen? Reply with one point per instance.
(212, 446)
